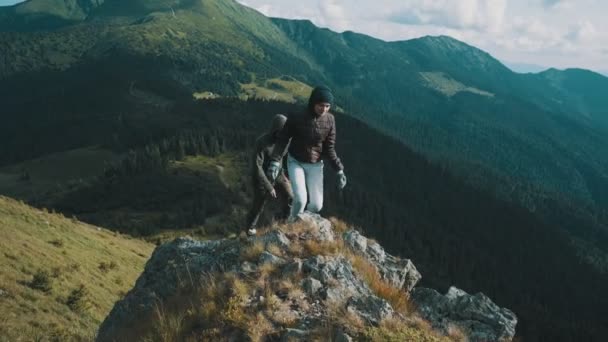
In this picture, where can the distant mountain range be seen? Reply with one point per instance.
(447, 99)
(534, 68)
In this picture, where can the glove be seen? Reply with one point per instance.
(341, 180)
(273, 170)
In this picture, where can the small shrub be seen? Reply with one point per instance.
(59, 333)
(73, 267)
(106, 267)
(10, 256)
(41, 281)
(57, 243)
(234, 313)
(56, 272)
(78, 299)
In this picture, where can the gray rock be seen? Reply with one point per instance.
(179, 263)
(292, 335)
(400, 273)
(274, 237)
(268, 258)
(293, 268)
(476, 315)
(376, 252)
(247, 267)
(337, 276)
(371, 308)
(341, 336)
(311, 286)
(355, 241)
(321, 226)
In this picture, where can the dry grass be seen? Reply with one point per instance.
(259, 327)
(396, 297)
(327, 248)
(339, 226)
(253, 251)
(274, 250)
(345, 318)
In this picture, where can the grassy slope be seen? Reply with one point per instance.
(71, 252)
(284, 89)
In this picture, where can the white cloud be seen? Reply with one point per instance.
(9, 2)
(463, 14)
(550, 3)
(583, 32)
(333, 15)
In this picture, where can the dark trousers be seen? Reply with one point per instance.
(261, 197)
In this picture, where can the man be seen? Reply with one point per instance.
(263, 187)
(313, 136)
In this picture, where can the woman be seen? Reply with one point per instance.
(313, 136)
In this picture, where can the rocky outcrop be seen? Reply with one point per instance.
(476, 315)
(400, 273)
(321, 260)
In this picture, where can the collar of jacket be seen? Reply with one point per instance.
(314, 114)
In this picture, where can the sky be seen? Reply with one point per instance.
(8, 2)
(519, 33)
(523, 34)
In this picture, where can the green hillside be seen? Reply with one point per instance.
(60, 277)
(43, 179)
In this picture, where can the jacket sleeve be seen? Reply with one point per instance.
(283, 139)
(260, 173)
(329, 147)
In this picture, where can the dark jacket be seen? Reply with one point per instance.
(312, 137)
(264, 149)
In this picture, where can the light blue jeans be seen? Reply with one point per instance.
(307, 184)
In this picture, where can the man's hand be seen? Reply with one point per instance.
(273, 170)
(341, 180)
(273, 193)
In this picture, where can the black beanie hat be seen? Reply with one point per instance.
(320, 94)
